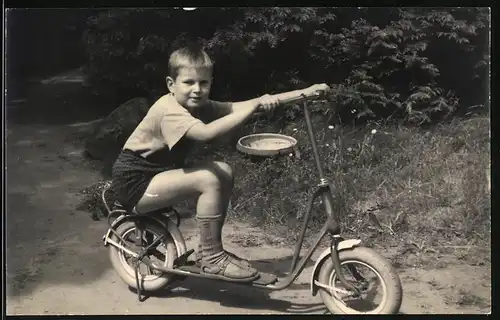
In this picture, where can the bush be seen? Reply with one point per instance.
(396, 69)
(383, 63)
(128, 49)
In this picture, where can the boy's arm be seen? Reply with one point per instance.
(241, 111)
(223, 125)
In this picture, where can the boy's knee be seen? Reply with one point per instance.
(224, 171)
(218, 175)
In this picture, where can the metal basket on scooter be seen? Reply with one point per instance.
(266, 144)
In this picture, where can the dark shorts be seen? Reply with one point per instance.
(131, 176)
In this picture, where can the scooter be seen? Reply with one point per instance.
(134, 241)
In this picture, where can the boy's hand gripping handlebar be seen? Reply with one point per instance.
(316, 92)
(303, 97)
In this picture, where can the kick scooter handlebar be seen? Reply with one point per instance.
(301, 98)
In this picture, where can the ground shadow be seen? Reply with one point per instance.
(230, 295)
(69, 257)
(240, 296)
(47, 239)
(55, 104)
(280, 267)
(245, 296)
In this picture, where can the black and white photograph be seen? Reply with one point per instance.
(247, 160)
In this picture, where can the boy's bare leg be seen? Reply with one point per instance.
(210, 182)
(169, 187)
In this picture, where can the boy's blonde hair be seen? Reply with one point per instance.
(189, 56)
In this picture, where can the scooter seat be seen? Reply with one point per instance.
(163, 210)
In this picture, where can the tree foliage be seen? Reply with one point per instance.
(415, 64)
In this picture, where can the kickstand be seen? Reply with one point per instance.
(138, 283)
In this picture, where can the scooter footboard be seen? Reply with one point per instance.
(343, 245)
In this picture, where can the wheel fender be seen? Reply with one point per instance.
(343, 245)
(114, 225)
(165, 222)
(176, 234)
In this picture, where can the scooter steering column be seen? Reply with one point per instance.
(333, 226)
(326, 193)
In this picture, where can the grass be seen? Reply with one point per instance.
(426, 189)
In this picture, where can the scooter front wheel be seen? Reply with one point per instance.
(356, 264)
(162, 255)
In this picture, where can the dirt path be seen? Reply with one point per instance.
(56, 263)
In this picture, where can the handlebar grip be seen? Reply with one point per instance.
(301, 98)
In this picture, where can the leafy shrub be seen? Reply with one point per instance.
(128, 49)
(392, 69)
(390, 63)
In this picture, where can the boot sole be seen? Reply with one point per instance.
(249, 267)
(228, 279)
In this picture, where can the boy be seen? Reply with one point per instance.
(150, 173)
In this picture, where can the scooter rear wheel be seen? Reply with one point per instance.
(361, 258)
(163, 255)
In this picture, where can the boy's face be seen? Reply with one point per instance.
(191, 87)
